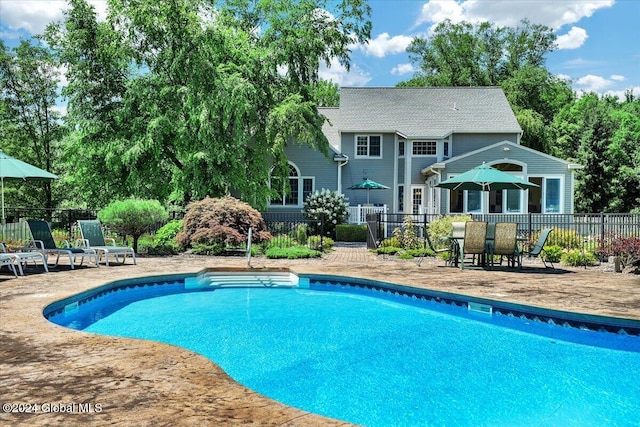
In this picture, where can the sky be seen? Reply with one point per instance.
(598, 40)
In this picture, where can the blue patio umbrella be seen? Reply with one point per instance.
(368, 184)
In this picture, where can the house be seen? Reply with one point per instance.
(410, 139)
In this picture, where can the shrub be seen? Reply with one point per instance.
(302, 233)
(211, 225)
(314, 242)
(416, 253)
(164, 241)
(132, 217)
(575, 258)
(387, 250)
(292, 253)
(627, 248)
(330, 204)
(564, 238)
(441, 228)
(407, 234)
(351, 232)
(553, 253)
(391, 242)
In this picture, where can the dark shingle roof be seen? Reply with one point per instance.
(422, 112)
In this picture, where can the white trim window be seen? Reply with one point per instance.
(401, 198)
(417, 198)
(424, 148)
(300, 187)
(401, 145)
(548, 198)
(368, 147)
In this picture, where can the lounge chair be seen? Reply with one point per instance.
(538, 249)
(93, 238)
(21, 258)
(505, 244)
(9, 261)
(475, 238)
(42, 240)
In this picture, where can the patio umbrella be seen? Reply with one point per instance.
(485, 178)
(367, 184)
(12, 168)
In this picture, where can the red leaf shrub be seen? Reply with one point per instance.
(224, 221)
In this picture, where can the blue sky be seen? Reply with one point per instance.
(598, 40)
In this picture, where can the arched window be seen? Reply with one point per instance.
(296, 192)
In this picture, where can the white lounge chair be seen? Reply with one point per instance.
(93, 238)
(22, 258)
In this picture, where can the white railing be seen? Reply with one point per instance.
(358, 214)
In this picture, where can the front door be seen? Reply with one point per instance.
(417, 199)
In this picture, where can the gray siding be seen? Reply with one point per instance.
(378, 170)
(535, 165)
(466, 142)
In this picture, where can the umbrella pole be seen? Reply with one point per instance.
(4, 221)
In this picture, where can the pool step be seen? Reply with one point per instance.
(220, 279)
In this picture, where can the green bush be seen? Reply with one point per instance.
(330, 204)
(294, 252)
(164, 241)
(391, 242)
(387, 250)
(416, 253)
(440, 229)
(302, 233)
(351, 232)
(567, 239)
(576, 258)
(314, 243)
(207, 249)
(553, 253)
(215, 224)
(132, 217)
(407, 234)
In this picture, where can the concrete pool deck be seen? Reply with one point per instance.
(98, 380)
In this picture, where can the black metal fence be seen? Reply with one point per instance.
(291, 229)
(573, 231)
(62, 221)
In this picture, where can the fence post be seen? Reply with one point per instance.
(424, 230)
(322, 231)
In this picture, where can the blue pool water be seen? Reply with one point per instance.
(375, 361)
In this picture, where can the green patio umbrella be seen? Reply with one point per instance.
(485, 178)
(367, 184)
(12, 168)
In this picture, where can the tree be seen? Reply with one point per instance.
(215, 95)
(603, 135)
(132, 217)
(29, 122)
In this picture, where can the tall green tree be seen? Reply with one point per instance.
(30, 126)
(603, 135)
(203, 96)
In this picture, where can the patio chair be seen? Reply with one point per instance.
(505, 244)
(42, 240)
(538, 249)
(21, 258)
(457, 240)
(434, 249)
(93, 238)
(475, 237)
(9, 261)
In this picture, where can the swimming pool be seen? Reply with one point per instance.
(379, 354)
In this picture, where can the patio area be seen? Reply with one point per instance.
(135, 382)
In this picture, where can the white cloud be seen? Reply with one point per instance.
(573, 39)
(438, 10)
(553, 13)
(401, 69)
(338, 74)
(33, 16)
(384, 45)
(617, 77)
(591, 83)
